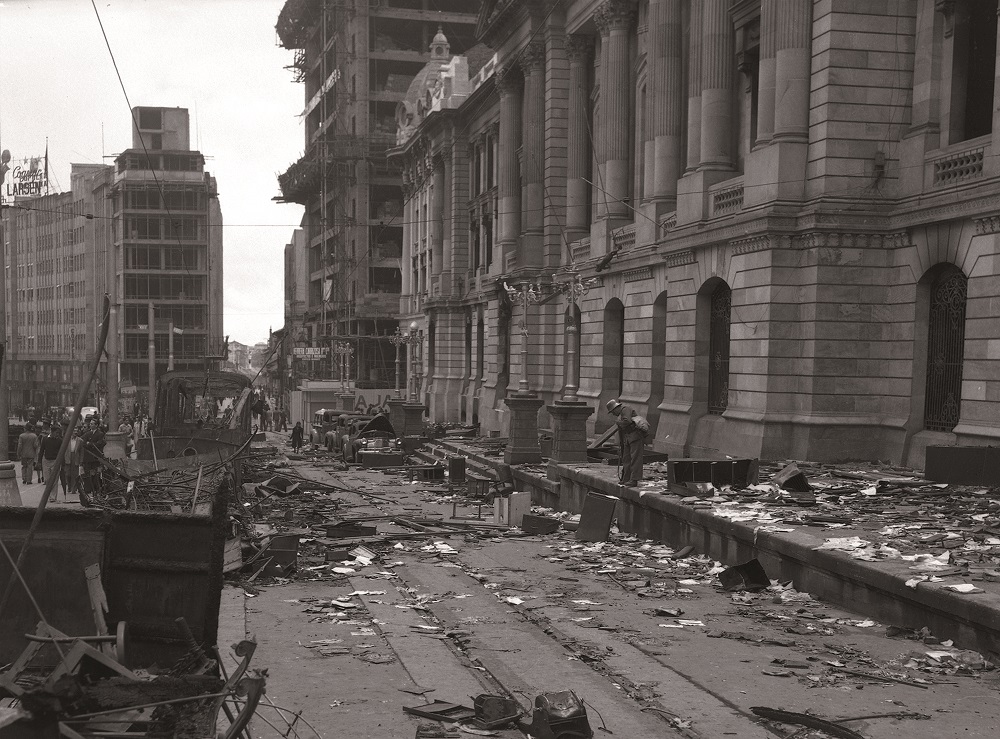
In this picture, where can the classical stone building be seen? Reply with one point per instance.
(790, 210)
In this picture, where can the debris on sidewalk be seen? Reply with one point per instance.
(749, 576)
(557, 715)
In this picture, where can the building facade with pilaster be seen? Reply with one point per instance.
(786, 214)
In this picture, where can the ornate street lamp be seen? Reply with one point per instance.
(343, 351)
(409, 340)
(524, 293)
(398, 339)
(575, 287)
(413, 341)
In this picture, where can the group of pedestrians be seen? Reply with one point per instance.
(80, 472)
(268, 418)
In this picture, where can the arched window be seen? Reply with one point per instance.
(718, 349)
(613, 375)
(945, 350)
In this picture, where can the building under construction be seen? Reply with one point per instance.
(356, 60)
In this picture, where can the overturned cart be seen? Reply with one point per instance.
(118, 635)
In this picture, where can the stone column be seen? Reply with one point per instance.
(578, 149)
(718, 68)
(405, 262)
(792, 59)
(508, 83)
(437, 217)
(765, 73)
(614, 19)
(532, 61)
(522, 444)
(926, 111)
(694, 89)
(666, 101)
(996, 91)
(924, 133)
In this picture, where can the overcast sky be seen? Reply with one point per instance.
(217, 58)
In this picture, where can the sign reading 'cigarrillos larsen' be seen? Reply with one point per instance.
(26, 179)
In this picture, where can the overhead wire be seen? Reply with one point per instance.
(172, 223)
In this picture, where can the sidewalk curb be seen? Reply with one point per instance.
(874, 589)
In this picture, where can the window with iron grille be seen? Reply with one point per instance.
(945, 350)
(718, 360)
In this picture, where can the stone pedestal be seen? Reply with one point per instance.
(569, 425)
(397, 416)
(347, 401)
(114, 447)
(10, 493)
(523, 446)
(413, 419)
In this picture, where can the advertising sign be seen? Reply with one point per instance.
(25, 179)
(309, 352)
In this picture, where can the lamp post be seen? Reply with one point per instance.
(575, 287)
(524, 294)
(343, 351)
(412, 341)
(398, 339)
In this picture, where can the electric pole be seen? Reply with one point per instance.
(4, 393)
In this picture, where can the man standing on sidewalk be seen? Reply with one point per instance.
(27, 450)
(632, 432)
(49, 451)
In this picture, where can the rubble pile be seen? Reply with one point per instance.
(80, 686)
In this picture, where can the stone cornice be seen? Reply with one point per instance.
(752, 244)
(499, 20)
(637, 274)
(850, 240)
(987, 225)
(945, 206)
(679, 258)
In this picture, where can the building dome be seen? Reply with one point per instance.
(412, 109)
(440, 48)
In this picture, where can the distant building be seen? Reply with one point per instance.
(356, 60)
(170, 246)
(147, 232)
(258, 354)
(239, 357)
(56, 276)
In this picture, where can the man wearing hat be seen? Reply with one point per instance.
(27, 450)
(632, 432)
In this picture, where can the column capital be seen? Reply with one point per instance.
(508, 80)
(579, 47)
(532, 57)
(495, 129)
(437, 163)
(615, 15)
